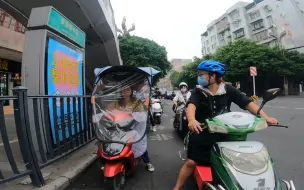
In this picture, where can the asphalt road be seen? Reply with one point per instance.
(163, 148)
(284, 145)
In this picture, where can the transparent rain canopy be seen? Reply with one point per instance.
(120, 107)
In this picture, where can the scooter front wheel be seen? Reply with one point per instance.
(115, 183)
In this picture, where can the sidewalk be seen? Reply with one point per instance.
(60, 174)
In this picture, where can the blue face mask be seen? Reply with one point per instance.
(202, 81)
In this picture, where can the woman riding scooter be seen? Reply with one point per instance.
(131, 104)
(179, 103)
(210, 75)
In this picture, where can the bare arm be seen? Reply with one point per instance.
(191, 112)
(253, 108)
(193, 125)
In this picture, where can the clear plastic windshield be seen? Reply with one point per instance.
(120, 107)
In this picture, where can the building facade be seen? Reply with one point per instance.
(11, 48)
(264, 21)
(95, 17)
(177, 65)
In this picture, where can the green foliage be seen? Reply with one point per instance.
(142, 52)
(241, 54)
(238, 56)
(174, 78)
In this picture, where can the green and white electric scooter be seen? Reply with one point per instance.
(238, 164)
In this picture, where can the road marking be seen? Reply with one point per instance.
(160, 127)
(299, 108)
(165, 115)
(172, 119)
(161, 137)
(12, 141)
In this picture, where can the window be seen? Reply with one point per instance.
(213, 46)
(234, 15)
(267, 9)
(208, 50)
(8, 21)
(260, 36)
(254, 15)
(236, 24)
(207, 42)
(270, 20)
(213, 38)
(240, 33)
(258, 25)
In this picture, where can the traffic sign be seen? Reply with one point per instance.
(253, 71)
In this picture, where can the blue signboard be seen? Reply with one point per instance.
(64, 71)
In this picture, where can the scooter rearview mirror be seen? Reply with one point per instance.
(270, 94)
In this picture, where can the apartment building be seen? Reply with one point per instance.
(264, 21)
(177, 65)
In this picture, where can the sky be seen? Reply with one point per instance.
(175, 24)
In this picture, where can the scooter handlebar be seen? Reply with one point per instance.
(277, 125)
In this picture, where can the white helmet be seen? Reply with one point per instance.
(183, 84)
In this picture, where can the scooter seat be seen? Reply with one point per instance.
(202, 174)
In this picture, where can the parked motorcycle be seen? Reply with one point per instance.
(157, 110)
(120, 120)
(239, 164)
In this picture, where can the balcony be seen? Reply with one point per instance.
(222, 25)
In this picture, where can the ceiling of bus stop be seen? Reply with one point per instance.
(96, 53)
(69, 8)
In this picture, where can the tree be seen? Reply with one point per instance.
(174, 78)
(241, 54)
(124, 31)
(272, 63)
(142, 52)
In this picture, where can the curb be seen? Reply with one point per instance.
(67, 178)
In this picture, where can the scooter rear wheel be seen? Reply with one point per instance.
(115, 183)
(158, 120)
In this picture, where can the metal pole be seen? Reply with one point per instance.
(253, 85)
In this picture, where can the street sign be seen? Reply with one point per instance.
(253, 71)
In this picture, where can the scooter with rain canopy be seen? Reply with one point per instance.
(238, 164)
(120, 115)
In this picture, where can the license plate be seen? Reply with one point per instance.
(158, 114)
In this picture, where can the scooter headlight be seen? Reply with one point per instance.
(248, 163)
(260, 126)
(216, 128)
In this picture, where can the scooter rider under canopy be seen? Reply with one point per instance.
(119, 116)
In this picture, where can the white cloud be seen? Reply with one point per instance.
(175, 24)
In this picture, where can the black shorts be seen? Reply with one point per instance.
(200, 145)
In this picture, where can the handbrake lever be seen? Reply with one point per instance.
(277, 125)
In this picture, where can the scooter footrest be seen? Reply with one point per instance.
(202, 174)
